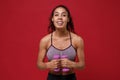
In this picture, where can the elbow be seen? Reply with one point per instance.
(81, 67)
(39, 66)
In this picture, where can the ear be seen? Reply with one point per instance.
(52, 19)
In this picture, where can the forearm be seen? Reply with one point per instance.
(42, 65)
(78, 65)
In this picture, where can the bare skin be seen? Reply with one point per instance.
(61, 40)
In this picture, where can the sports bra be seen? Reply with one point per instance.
(69, 51)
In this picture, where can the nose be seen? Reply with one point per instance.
(60, 17)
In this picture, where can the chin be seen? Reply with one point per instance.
(60, 27)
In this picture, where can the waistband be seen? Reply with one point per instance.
(61, 77)
(69, 75)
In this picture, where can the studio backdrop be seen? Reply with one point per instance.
(24, 22)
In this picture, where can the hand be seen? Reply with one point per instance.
(53, 64)
(66, 63)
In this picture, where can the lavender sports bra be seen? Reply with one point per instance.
(69, 51)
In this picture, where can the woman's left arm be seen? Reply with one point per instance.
(79, 45)
(80, 54)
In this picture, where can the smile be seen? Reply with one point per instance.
(59, 23)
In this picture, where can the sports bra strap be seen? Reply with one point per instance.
(51, 37)
(70, 38)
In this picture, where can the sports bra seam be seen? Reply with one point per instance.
(61, 49)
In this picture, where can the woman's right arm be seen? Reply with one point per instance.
(41, 55)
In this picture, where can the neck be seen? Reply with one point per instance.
(61, 33)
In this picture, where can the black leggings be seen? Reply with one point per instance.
(61, 77)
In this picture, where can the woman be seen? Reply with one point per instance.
(61, 41)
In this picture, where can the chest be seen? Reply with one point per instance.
(61, 43)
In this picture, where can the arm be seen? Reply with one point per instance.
(80, 54)
(41, 55)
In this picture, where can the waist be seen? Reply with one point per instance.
(61, 73)
(55, 75)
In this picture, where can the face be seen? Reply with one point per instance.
(60, 18)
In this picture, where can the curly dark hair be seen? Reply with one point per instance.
(70, 25)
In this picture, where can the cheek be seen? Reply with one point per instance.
(54, 19)
(55, 24)
(65, 19)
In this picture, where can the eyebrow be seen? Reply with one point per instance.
(62, 12)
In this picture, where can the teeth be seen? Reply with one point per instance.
(60, 23)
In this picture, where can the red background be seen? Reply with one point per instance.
(24, 22)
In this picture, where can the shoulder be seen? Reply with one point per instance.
(76, 37)
(45, 40)
(77, 40)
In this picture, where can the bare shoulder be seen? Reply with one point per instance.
(45, 40)
(76, 37)
(77, 40)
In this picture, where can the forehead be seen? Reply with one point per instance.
(60, 10)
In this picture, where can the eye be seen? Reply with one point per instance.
(64, 15)
(56, 15)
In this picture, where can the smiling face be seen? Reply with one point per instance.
(60, 18)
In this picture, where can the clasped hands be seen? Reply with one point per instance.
(60, 63)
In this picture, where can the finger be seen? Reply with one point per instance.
(65, 65)
(62, 61)
(55, 65)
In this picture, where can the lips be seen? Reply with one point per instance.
(59, 23)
